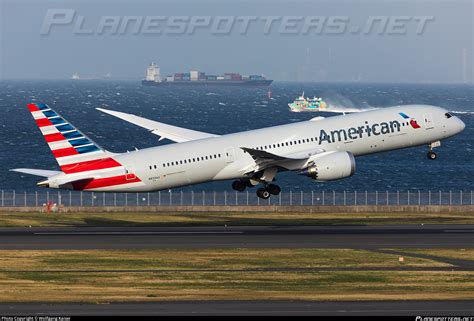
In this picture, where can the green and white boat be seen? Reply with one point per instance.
(307, 104)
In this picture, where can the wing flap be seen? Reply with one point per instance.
(174, 133)
(264, 159)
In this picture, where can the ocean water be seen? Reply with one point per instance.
(227, 110)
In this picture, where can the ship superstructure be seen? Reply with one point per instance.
(307, 104)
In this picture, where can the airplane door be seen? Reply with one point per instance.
(428, 118)
(229, 155)
(130, 173)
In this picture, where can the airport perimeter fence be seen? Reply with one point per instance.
(209, 198)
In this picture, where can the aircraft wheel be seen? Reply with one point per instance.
(431, 155)
(274, 189)
(263, 193)
(248, 183)
(238, 186)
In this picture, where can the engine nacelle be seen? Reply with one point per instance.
(330, 166)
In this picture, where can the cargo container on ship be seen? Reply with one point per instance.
(199, 78)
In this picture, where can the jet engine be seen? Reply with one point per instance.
(330, 166)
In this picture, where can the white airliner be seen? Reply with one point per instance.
(321, 148)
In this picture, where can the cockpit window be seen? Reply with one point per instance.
(448, 115)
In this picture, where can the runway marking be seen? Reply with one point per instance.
(130, 233)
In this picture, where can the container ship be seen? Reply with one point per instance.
(196, 78)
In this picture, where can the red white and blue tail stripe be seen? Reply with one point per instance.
(78, 154)
(67, 144)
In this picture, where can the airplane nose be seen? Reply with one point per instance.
(460, 125)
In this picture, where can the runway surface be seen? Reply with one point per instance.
(356, 237)
(411, 308)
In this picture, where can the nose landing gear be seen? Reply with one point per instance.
(432, 155)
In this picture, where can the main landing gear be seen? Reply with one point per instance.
(268, 190)
(263, 192)
(239, 186)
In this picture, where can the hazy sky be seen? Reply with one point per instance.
(346, 52)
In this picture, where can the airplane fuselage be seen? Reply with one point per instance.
(222, 158)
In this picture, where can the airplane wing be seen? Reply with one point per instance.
(170, 132)
(264, 159)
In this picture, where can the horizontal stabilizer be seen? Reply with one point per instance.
(174, 133)
(37, 172)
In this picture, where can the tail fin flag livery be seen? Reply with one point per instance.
(73, 150)
(90, 166)
(67, 144)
